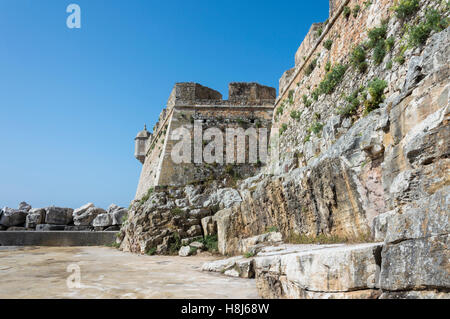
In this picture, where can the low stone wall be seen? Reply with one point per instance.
(57, 238)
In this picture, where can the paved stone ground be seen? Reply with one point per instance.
(41, 272)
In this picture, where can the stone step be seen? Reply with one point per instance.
(309, 271)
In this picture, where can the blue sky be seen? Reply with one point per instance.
(72, 101)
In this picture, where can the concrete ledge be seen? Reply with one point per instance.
(56, 238)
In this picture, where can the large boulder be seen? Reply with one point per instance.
(209, 226)
(119, 216)
(82, 209)
(255, 243)
(185, 251)
(201, 200)
(12, 217)
(35, 217)
(223, 198)
(336, 271)
(102, 220)
(87, 217)
(416, 264)
(58, 216)
(232, 267)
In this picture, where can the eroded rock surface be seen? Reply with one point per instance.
(372, 174)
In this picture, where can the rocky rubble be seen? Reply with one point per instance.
(85, 218)
(378, 177)
(171, 216)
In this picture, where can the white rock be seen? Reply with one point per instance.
(185, 251)
(82, 209)
(102, 220)
(112, 208)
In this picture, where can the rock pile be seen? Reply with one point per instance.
(169, 218)
(85, 218)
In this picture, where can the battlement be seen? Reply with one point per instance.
(189, 93)
(239, 94)
(251, 94)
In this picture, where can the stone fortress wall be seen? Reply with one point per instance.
(249, 105)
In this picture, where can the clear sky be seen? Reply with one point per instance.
(72, 100)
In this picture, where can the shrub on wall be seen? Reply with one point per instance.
(376, 90)
(358, 58)
(420, 33)
(316, 128)
(406, 8)
(310, 68)
(356, 10)
(352, 105)
(347, 12)
(377, 42)
(332, 79)
(295, 115)
(283, 129)
(306, 101)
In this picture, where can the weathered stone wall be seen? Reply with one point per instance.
(207, 117)
(357, 148)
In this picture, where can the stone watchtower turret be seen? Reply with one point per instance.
(140, 144)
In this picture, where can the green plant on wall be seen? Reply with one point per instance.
(332, 79)
(358, 58)
(310, 68)
(295, 115)
(327, 44)
(377, 42)
(420, 33)
(353, 102)
(316, 127)
(376, 90)
(147, 195)
(347, 11)
(283, 128)
(406, 8)
(315, 94)
(319, 31)
(306, 101)
(356, 10)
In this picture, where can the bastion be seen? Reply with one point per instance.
(192, 109)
